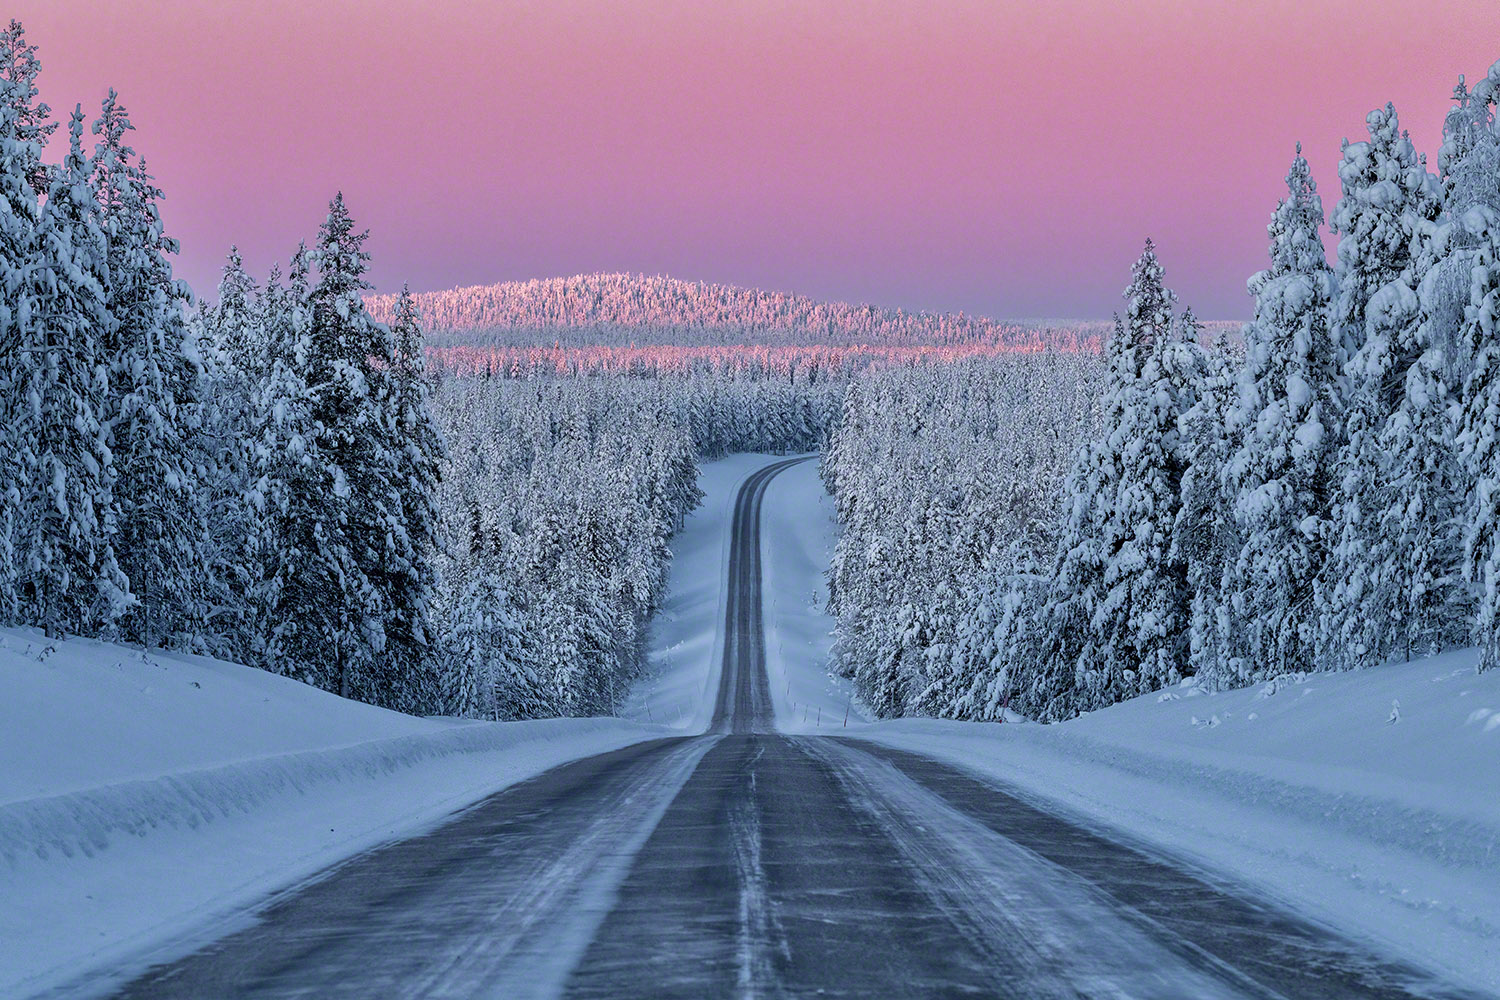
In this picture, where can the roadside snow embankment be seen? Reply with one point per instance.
(797, 534)
(143, 795)
(1370, 800)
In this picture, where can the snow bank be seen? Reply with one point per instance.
(797, 534)
(143, 796)
(1370, 800)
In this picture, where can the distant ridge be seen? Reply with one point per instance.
(619, 310)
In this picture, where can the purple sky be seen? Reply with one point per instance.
(1005, 159)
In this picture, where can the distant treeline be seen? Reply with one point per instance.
(633, 310)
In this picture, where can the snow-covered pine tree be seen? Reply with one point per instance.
(69, 578)
(230, 336)
(417, 450)
(361, 545)
(1280, 474)
(1203, 537)
(1387, 196)
(291, 584)
(157, 515)
(22, 125)
(998, 644)
(1472, 185)
(487, 672)
(30, 122)
(1091, 535)
(1138, 635)
(1389, 200)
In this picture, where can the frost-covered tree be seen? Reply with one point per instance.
(230, 336)
(1138, 635)
(20, 166)
(69, 579)
(30, 121)
(1280, 475)
(487, 666)
(1389, 202)
(1203, 536)
(289, 561)
(359, 517)
(416, 451)
(1387, 197)
(157, 516)
(998, 645)
(1472, 183)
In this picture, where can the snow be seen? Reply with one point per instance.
(686, 648)
(1369, 800)
(146, 796)
(797, 533)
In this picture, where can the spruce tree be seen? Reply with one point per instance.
(69, 577)
(152, 412)
(353, 537)
(19, 165)
(1389, 200)
(230, 338)
(1472, 184)
(29, 121)
(1203, 537)
(1280, 475)
(417, 450)
(1137, 638)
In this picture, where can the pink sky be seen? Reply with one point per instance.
(999, 158)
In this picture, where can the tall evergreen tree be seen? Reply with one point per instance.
(417, 450)
(291, 584)
(1472, 182)
(1389, 200)
(1138, 637)
(30, 120)
(151, 415)
(230, 337)
(1203, 536)
(69, 577)
(20, 166)
(354, 539)
(1281, 472)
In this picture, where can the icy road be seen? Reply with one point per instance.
(745, 863)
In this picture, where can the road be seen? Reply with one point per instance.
(747, 863)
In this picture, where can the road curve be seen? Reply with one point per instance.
(748, 863)
(744, 701)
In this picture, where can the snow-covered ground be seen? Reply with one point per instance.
(142, 796)
(1305, 789)
(1370, 800)
(797, 532)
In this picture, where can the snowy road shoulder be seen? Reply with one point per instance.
(797, 533)
(1303, 791)
(144, 796)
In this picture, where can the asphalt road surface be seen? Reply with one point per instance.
(743, 863)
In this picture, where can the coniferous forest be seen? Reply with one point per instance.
(1317, 493)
